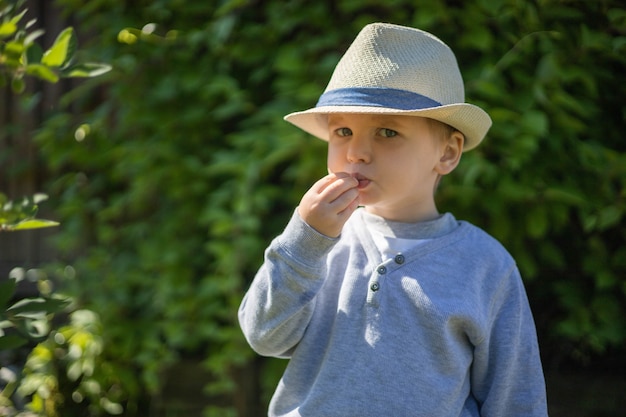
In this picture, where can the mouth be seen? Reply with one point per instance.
(363, 181)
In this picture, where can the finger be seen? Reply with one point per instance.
(344, 200)
(333, 190)
(350, 208)
(324, 182)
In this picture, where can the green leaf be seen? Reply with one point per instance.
(62, 51)
(13, 53)
(42, 72)
(608, 217)
(34, 53)
(88, 69)
(535, 122)
(11, 342)
(31, 307)
(561, 195)
(36, 326)
(537, 222)
(15, 19)
(39, 197)
(34, 224)
(7, 29)
(7, 289)
(30, 38)
(18, 85)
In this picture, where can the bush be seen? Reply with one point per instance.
(29, 319)
(171, 181)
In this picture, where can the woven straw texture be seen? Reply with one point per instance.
(381, 58)
(388, 56)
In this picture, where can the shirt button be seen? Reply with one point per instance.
(382, 270)
(399, 259)
(375, 286)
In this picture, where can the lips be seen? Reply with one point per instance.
(363, 180)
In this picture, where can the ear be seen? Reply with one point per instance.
(452, 148)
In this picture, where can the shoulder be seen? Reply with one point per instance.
(483, 258)
(481, 240)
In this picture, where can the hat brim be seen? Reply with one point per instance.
(467, 118)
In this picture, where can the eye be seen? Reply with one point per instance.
(343, 131)
(387, 133)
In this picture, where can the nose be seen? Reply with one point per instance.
(359, 150)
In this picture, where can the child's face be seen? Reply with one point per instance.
(397, 160)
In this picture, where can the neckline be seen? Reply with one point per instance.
(430, 229)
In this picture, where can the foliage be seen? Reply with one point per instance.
(22, 216)
(556, 164)
(68, 365)
(172, 185)
(29, 317)
(20, 56)
(23, 321)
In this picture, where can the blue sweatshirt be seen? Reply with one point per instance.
(442, 329)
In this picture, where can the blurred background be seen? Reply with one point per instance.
(171, 173)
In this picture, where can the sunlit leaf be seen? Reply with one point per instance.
(42, 72)
(34, 224)
(29, 307)
(126, 36)
(7, 29)
(13, 52)
(111, 407)
(62, 51)
(35, 326)
(86, 70)
(39, 197)
(31, 37)
(16, 19)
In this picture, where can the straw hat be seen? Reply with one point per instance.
(391, 69)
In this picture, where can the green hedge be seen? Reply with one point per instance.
(170, 181)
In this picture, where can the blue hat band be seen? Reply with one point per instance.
(376, 97)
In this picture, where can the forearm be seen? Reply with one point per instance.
(280, 302)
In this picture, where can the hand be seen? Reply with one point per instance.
(329, 203)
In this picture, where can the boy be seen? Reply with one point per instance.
(393, 309)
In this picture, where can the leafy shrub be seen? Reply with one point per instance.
(28, 319)
(66, 372)
(172, 180)
(21, 56)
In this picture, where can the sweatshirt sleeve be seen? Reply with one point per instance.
(280, 302)
(507, 376)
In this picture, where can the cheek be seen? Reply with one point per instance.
(333, 159)
(405, 169)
